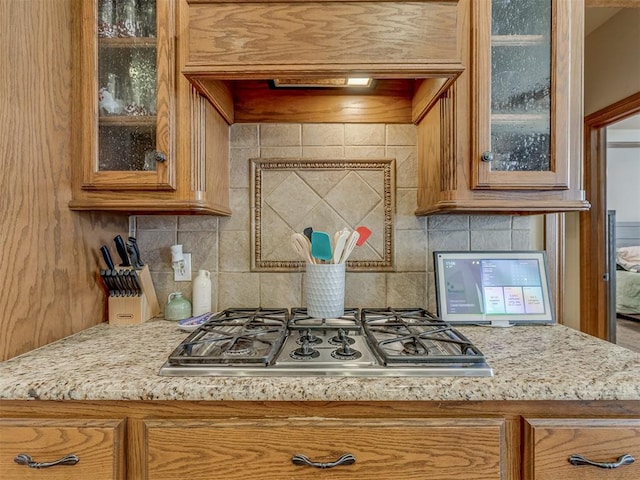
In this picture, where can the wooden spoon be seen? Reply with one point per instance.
(300, 245)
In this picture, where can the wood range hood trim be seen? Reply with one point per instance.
(410, 48)
(390, 101)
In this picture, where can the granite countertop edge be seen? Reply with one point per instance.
(106, 363)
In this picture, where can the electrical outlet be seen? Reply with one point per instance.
(184, 274)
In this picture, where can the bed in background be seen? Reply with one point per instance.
(628, 270)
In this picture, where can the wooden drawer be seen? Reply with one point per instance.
(550, 442)
(384, 449)
(99, 445)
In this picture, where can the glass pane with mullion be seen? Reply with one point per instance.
(127, 101)
(520, 17)
(127, 148)
(521, 85)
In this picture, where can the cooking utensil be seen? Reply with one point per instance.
(307, 232)
(126, 280)
(134, 243)
(321, 246)
(364, 233)
(122, 251)
(117, 283)
(302, 247)
(106, 255)
(133, 256)
(349, 246)
(340, 240)
(106, 278)
(103, 275)
(135, 280)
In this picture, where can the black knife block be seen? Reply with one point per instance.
(138, 309)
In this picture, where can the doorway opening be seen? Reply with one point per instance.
(595, 270)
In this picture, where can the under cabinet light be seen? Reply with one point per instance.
(322, 82)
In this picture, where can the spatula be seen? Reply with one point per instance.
(301, 246)
(364, 233)
(320, 245)
(339, 242)
(349, 246)
(307, 232)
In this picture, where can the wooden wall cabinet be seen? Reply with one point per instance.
(144, 140)
(507, 136)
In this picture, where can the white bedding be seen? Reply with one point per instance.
(627, 292)
(629, 258)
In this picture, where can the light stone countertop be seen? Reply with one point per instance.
(122, 363)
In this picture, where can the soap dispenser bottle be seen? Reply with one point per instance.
(202, 293)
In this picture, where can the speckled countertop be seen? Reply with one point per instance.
(122, 363)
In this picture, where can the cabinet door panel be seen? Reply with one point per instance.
(550, 442)
(522, 95)
(127, 87)
(98, 444)
(383, 449)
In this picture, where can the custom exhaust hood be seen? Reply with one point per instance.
(236, 54)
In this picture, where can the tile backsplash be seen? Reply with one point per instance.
(223, 245)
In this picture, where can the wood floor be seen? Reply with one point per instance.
(628, 334)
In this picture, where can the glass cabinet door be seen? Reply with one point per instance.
(517, 87)
(132, 96)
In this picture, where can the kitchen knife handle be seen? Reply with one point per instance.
(133, 256)
(133, 275)
(134, 243)
(122, 251)
(117, 283)
(106, 254)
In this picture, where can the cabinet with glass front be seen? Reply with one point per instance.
(507, 136)
(522, 95)
(129, 46)
(146, 142)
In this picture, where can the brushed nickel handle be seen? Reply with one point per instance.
(346, 459)
(622, 460)
(160, 157)
(24, 459)
(487, 156)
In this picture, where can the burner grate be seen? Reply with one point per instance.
(235, 336)
(301, 320)
(414, 336)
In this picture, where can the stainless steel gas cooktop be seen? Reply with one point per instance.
(368, 342)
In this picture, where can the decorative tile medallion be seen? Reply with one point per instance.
(289, 195)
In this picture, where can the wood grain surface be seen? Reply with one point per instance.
(384, 449)
(98, 444)
(49, 256)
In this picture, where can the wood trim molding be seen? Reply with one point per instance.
(612, 3)
(554, 245)
(593, 261)
(623, 144)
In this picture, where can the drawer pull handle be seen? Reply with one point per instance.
(346, 459)
(24, 459)
(622, 460)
